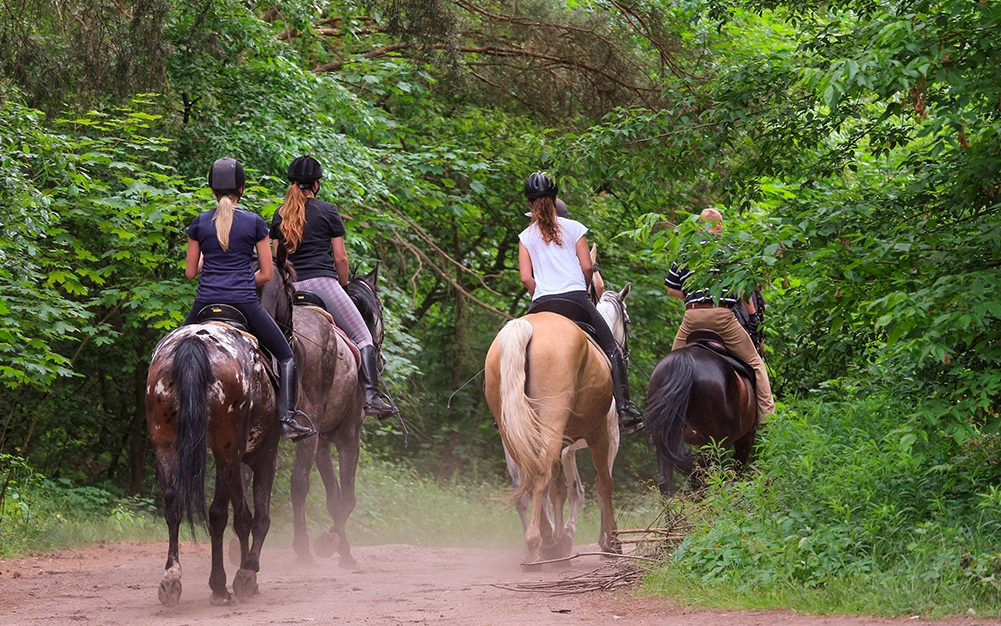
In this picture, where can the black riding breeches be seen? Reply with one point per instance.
(261, 325)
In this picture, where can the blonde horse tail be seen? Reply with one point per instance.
(519, 422)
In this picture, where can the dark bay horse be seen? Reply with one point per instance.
(330, 394)
(549, 385)
(696, 397)
(208, 387)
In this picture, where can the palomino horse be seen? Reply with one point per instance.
(612, 307)
(697, 397)
(329, 393)
(544, 394)
(208, 386)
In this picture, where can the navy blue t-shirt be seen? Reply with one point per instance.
(228, 275)
(314, 258)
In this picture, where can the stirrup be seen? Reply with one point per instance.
(630, 419)
(295, 431)
(387, 410)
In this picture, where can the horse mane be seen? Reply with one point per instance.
(284, 272)
(363, 295)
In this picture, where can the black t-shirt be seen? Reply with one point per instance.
(314, 257)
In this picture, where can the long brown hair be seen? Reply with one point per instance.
(224, 218)
(544, 214)
(293, 213)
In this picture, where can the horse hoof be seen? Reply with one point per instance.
(245, 584)
(169, 592)
(326, 544)
(565, 546)
(235, 555)
(347, 561)
(551, 551)
(305, 561)
(221, 599)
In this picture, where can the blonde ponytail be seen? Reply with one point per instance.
(293, 213)
(224, 219)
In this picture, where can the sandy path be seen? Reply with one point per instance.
(392, 584)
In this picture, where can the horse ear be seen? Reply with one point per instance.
(625, 292)
(372, 277)
(594, 253)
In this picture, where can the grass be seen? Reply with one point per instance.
(902, 595)
(394, 506)
(849, 512)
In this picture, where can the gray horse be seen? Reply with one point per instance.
(329, 393)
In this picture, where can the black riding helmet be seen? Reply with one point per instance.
(538, 185)
(227, 176)
(305, 170)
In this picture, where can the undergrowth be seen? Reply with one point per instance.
(394, 505)
(852, 508)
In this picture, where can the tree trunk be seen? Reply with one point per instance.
(138, 442)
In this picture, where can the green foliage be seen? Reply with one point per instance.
(37, 513)
(850, 491)
(852, 147)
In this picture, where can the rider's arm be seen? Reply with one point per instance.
(584, 258)
(674, 282)
(264, 259)
(525, 269)
(193, 262)
(340, 260)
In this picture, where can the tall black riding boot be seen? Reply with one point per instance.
(291, 429)
(630, 417)
(368, 376)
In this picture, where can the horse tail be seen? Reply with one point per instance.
(192, 374)
(520, 424)
(667, 407)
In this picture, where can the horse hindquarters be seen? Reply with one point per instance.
(521, 428)
(667, 404)
(177, 417)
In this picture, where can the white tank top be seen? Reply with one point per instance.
(555, 268)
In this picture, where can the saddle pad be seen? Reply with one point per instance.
(268, 360)
(330, 318)
(248, 335)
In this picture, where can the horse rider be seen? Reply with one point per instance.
(702, 312)
(555, 264)
(221, 246)
(597, 285)
(312, 232)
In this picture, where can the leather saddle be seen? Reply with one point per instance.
(232, 316)
(568, 309)
(712, 341)
(308, 298)
(224, 313)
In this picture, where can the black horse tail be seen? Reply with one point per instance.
(192, 374)
(666, 409)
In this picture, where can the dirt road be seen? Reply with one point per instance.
(392, 584)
